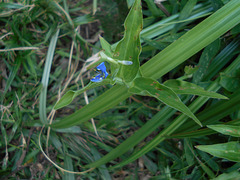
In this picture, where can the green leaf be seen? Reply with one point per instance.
(68, 164)
(207, 170)
(230, 150)
(45, 78)
(216, 4)
(150, 165)
(189, 70)
(222, 59)
(83, 19)
(117, 94)
(65, 100)
(74, 129)
(234, 175)
(71, 95)
(187, 10)
(130, 3)
(153, 8)
(226, 129)
(207, 55)
(189, 152)
(183, 87)
(12, 75)
(214, 113)
(150, 87)
(10, 5)
(230, 83)
(102, 169)
(208, 160)
(106, 47)
(129, 48)
(108, 53)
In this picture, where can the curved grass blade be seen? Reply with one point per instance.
(12, 75)
(45, 78)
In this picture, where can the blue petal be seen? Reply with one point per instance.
(97, 78)
(102, 73)
(106, 74)
(102, 67)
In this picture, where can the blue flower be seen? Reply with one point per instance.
(102, 73)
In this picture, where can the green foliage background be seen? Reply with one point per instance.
(45, 46)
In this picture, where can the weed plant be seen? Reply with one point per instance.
(120, 89)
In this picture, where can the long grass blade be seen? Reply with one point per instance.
(45, 78)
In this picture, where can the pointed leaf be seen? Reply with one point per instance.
(106, 47)
(234, 175)
(230, 150)
(45, 79)
(186, 12)
(230, 83)
(188, 147)
(68, 164)
(183, 87)
(226, 129)
(216, 4)
(13, 73)
(70, 95)
(206, 57)
(129, 48)
(150, 87)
